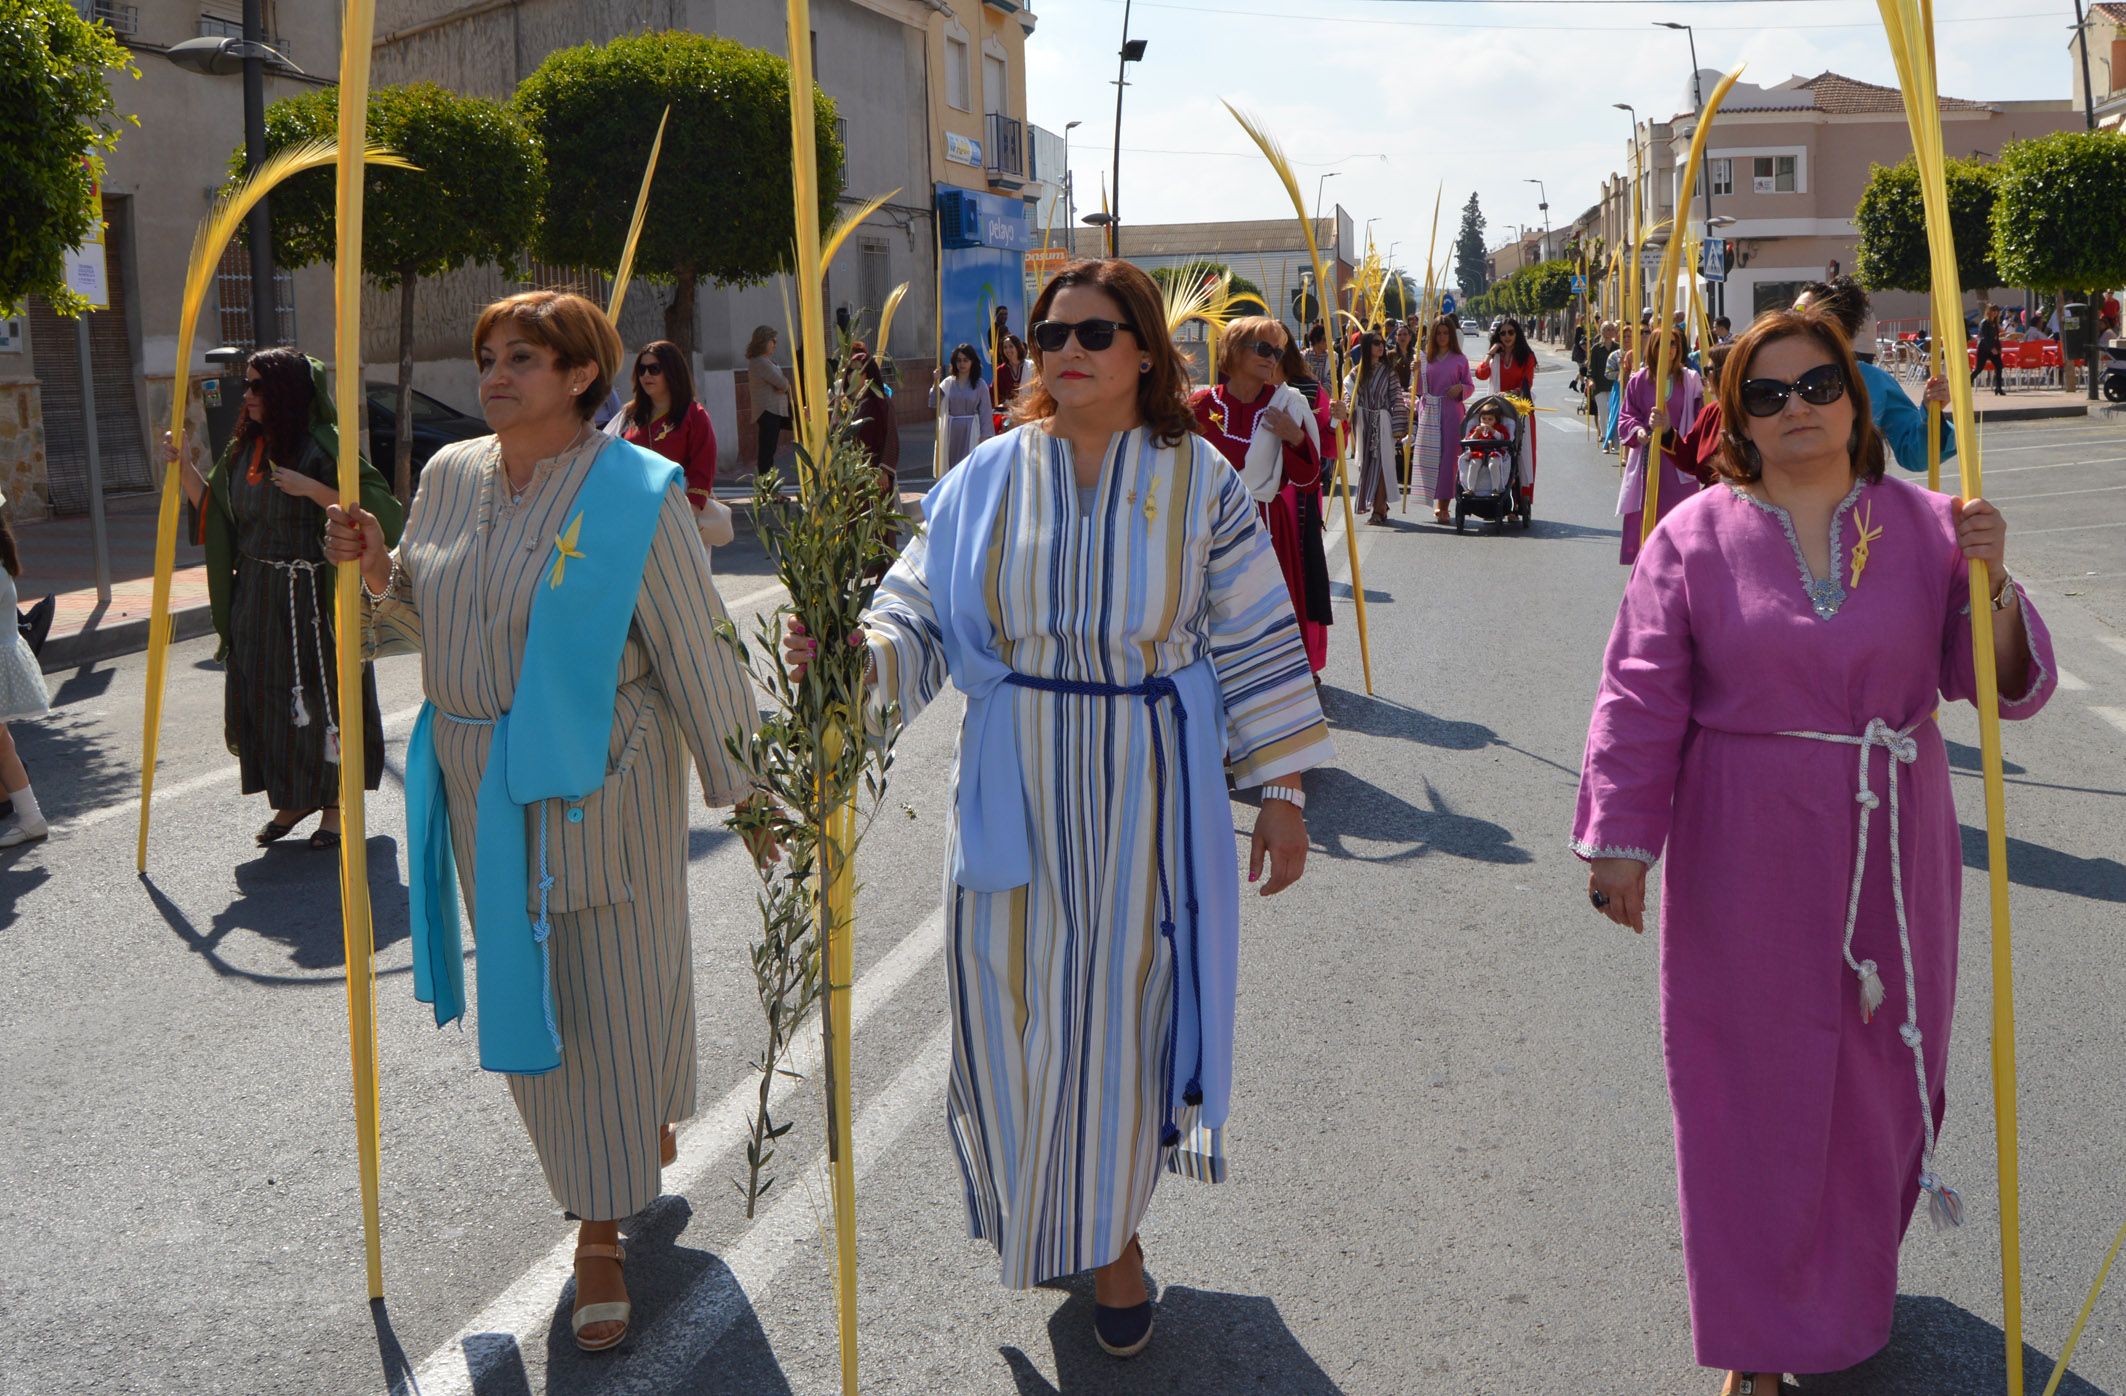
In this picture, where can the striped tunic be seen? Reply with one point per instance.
(1061, 990)
(461, 595)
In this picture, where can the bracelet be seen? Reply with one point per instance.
(1290, 793)
(389, 583)
(2007, 595)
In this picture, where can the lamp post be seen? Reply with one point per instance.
(1715, 291)
(1631, 234)
(1544, 195)
(220, 57)
(1070, 194)
(2089, 315)
(1132, 52)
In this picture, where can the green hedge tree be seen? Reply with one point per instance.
(1892, 222)
(56, 120)
(721, 205)
(2059, 223)
(1469, 265)
(474, 200)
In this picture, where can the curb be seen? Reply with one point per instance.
(115, 641)
(2033, 414)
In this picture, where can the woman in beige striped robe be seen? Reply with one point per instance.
(478, 542)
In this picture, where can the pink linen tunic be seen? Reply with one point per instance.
(1799, 1137)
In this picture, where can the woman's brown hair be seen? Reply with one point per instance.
(1452, 326)
(1241, 333)
(763, 336)
(1737, 458)
(574, 330)
(285, 390)
(1162, 390)
(678, 382)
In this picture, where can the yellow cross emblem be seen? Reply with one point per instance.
(1151, 505)
(1860, 549)
(565, 548)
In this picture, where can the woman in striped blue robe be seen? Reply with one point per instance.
(1097, 584)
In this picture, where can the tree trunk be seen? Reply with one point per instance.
(679, 315)
(402, 439)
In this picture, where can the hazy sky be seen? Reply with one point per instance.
(1396, 95)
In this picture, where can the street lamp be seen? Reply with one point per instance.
(1317, 191)
(220, 57)
(1132, 52)
(1714, 290)
(1070, 194)
(1631, 230)
(1544, 194)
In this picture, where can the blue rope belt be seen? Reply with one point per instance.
(544, 926)
(1152, 691)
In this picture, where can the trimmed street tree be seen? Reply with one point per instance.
(473, 200)
(1892, 223)
(1469, 270)
(56, 118)
(2059, 223)
(720, 207)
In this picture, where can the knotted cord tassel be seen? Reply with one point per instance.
(1945, 1205)
(300, 709)
(332, 745)
(1871, 991)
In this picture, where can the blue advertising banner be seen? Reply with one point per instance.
(986, 239)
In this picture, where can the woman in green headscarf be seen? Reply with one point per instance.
(260, 514)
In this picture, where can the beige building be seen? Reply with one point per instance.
(1269, 252)
(2104, 28)
(159, 183)
(1789, 162)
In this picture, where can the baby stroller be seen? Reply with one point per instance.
(1488, 484)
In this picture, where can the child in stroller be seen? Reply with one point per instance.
(1488, 473)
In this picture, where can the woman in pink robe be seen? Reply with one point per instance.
(1638, 423)
(1448, 385)
(1794, 625)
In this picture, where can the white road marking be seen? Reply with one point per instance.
(789, 1230)
(2056, 494)
(192, 785)
(2112, 642)
(2070, 684)
(741, 602)
(2067, 528)
(525, 1310)
(2115, 716)
(2052, 465)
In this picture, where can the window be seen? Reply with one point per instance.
(232, 294)
(1774, 174)
(958, 76)
(1722, 174)
(995, 85)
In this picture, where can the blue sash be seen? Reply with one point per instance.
(550, 745)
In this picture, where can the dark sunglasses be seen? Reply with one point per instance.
(652, 370)
(254, 385)
(1265, 350)
(1049, 336)
(1766, 397)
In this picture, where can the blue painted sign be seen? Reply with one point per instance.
(1447, 304)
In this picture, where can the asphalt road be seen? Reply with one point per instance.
(1451, 1154)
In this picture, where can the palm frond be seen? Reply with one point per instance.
(848, 223)
(626, 270)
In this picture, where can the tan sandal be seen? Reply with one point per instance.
(668, 1147)
(619, 1311)
(1752, 1384)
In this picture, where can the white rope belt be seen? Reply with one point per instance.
(1944, 1204)
(300, 711)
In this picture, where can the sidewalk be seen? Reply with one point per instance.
(58, 558)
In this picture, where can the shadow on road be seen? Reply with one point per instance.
(1349, 711)
(1205, 1340)
(1966, 758)
(2034, 865)
(1573, 533)
(71, 761)
(398, 1372)
(1341, 806)
(17, 883)
(290, 896)
(1935, 1347)
(732, 1355)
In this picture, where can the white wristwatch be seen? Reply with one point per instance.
(1286, 792)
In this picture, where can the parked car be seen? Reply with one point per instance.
(435, 425)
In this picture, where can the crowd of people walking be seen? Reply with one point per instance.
(1128, 585)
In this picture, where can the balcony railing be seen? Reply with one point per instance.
(215, 27)
(123, 19)
(1007, 150)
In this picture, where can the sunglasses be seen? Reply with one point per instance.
(1265, 350)
(1049, 336)
(1766, 397)
(254, 385)
(650, 370)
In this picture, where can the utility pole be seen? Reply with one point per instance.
(2089, 313)
(265, 316)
